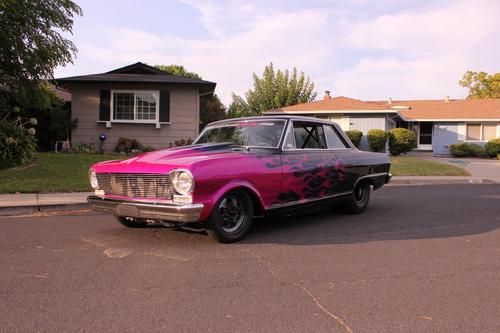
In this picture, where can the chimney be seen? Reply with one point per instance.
(327, 95)
(447, 99)
(389, 101)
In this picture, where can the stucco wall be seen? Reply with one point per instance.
(184, 116)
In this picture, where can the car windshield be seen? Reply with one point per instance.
(257, 133)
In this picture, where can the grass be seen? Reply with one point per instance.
(411, 166)
(51, 172)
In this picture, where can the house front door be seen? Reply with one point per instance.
(425, 131)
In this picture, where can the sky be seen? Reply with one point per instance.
(364, 49)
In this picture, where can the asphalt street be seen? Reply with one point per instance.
(420, 259)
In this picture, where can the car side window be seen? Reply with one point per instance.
(289, 140)
(309, 136)
(333, 139)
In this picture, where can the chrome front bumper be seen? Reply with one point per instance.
(143, 210)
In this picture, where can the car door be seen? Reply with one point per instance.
(346, 171)
(309, 168)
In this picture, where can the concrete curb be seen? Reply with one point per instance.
(28, 210)
(440, 181)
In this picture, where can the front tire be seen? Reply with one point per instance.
(130, 222)
(359, 199)
(231, 217)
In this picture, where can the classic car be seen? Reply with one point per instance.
(237, 169)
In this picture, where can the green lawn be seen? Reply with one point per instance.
(411, 166)
(51, 172)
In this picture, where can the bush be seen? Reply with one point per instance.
(181, 142)
(127, 146)
(377, 139)
(355, 136)
(401, 141)
(465, 149)
(493, 147)
(84, 148)
(17, 144)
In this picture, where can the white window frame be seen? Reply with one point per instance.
(481, 130)
(156, 95)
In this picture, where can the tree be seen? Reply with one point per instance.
(481, 84)
(211, 108)
(179, 70)
(32, 44)
(274, 90)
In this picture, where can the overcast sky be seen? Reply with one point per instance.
(366, 49)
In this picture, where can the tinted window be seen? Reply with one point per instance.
(333, 138)
(309, 136)
(244, 133)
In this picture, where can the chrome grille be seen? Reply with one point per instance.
(136, 185)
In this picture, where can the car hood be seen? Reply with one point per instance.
(164, 160)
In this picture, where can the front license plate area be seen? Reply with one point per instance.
(126, 210)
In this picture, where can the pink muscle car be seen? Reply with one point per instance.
(237, 169)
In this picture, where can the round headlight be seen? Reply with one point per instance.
(93, 180)
(183, 181)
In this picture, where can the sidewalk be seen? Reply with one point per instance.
(29, 203)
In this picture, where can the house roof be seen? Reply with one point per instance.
(410, 110)
(333, 104)
(138, 73)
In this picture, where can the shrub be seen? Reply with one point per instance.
(85, 148)
(459, 149)
(465, 149)
(126, 145)
(401, 141)
(17, 144)
(377, 139)
(355, 136)
(181, 142)
(476, 150)
(493, 147)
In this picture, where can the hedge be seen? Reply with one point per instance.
(377, 139)
(355, 136)
(466, 149)
(401, 141)
(492, 147)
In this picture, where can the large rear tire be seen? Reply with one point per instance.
(359, 199)
(231, 217)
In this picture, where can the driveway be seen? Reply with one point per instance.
(480, 169)
(420, 259)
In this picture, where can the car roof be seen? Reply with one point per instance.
(275, 117)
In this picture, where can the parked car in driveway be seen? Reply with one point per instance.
(237, 169)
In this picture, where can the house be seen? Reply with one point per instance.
(437, 123)
(137, 102)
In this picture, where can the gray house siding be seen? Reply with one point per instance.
(445, 134)
(184, 116)
(366, 122)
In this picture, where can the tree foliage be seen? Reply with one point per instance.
(211, 108)
(179, 70)
(32, 43)
(481, 84)
(273, 90)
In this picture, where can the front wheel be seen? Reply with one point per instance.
(359, 199)
(231, 217)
